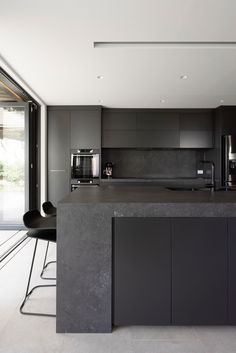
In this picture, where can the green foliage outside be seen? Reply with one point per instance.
(1, 169)
(12, 173)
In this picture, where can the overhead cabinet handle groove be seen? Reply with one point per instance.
(57, 170)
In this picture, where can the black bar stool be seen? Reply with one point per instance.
(40, 228)
(50, 211)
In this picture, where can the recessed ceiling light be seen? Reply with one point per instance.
(100, 101)
(222, 101)
(184, 77)
(99, 77)
(162, 100)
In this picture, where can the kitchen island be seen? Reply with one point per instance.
(90, 217)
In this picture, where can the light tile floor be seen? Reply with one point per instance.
(26, 334)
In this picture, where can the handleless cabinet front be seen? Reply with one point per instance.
(118, 129)
(199, 271)
(58, 155)
(86, 129)
(232, 270)
(196, 130)
(141, 271)
(157, 130)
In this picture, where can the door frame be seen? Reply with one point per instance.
(31, 157)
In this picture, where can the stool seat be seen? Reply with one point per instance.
(34, 220)
(43, 234)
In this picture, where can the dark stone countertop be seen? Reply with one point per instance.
(124, 193)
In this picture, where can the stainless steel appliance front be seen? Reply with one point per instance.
(84, 167)
(229, 160)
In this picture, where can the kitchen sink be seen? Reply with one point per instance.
(182, 188)
(186, 188)
(194, 188)
(226, 189)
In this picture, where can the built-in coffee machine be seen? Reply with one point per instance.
(108, 171)
(229, 160)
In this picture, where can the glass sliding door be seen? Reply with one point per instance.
(14, 161)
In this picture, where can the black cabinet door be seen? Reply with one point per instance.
(157, 121)
(141, 271)
(58, 185)
(196, 121)
(118, 120)
(158, 139)
(158, 130)
(86, 129)
(196, 139)
(118, 129)
(196, 129)
(199, 277)
(119, 139)
(58, 155)
(232, 270)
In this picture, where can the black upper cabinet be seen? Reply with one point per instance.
(86, 129)
(116, 120)
(196, 130)
(157, 129)
(199, 271)
(196, 121)
(196, 139)
(141, 271)
(225, 117)
(119, 129)
(158, 138)
(157, 121)
(119, 138)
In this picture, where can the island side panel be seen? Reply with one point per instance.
(84, 268)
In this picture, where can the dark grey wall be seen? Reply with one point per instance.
(129, 163)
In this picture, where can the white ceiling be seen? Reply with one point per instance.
(49, 44)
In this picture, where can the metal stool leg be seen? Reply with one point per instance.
(45, 265)
(28, 293)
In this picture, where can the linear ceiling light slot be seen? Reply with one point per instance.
(167, 44)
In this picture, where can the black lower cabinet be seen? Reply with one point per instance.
(200, 271)
(141, 271)
(232, 270)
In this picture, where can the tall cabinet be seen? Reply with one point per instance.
(69, 127)
(58, 155)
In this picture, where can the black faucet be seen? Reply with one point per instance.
(213, 180)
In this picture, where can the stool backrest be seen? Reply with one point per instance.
(49, 209)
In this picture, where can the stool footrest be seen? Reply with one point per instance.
(27, 297)
(44, 268)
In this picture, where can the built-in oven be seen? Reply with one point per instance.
(84, 167)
